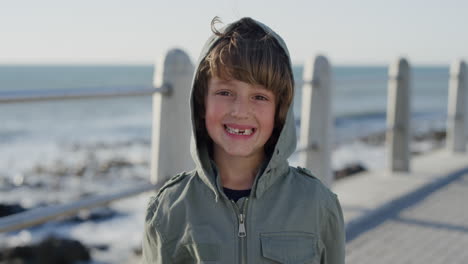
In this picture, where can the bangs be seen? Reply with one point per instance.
(257, 60)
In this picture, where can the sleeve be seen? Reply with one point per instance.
(333, 236)
(153, 242)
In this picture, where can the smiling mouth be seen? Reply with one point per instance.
(242, 132)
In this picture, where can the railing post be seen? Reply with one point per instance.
(457, 109)
(398, 116)
(316, 121)
(171, 130)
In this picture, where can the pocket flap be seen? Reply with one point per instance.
(289, 247)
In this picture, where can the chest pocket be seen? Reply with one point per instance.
(289, 248)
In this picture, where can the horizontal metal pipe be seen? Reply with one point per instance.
(42, 215)
(71, 94)
(351, 139)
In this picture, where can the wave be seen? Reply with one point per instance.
(365, 115)
(380, 114)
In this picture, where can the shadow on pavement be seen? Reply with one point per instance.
(391, 210)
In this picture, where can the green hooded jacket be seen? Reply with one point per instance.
(289, 217)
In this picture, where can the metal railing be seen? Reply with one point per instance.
(42, 215)
(73, 94)
(174, 72)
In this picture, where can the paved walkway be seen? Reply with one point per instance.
(416, 217)
(432, 229)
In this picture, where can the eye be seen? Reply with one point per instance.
(260, 98)
(223, 93)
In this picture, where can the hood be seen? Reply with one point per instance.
(285, 146)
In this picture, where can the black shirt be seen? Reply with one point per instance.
(236, 194)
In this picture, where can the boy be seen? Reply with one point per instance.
(243, 203)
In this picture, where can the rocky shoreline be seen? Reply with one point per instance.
(52, 250)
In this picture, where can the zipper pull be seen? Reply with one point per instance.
(242, 232)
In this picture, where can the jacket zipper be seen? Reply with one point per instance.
(242, 232)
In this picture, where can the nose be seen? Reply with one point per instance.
(241, 107)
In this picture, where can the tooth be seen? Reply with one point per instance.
(239, 131)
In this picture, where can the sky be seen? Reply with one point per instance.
(367, 32)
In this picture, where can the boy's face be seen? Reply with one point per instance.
(239, 117)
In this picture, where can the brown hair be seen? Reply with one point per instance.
(245, 52)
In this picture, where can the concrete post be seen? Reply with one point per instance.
(171, 131)
(316, 121)
(457, 109)
(398, 116)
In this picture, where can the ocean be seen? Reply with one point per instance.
(53, 152)
(27, 130)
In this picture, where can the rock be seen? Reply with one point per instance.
(39, 169)
(114, 163)
(432, 135)
(439, 135)
(50, 251)
(59, 169)
(100, 247)
(374, 139)
(79, 170)
(137, 251)
(9, 209)
(5, 183)
(349, 170)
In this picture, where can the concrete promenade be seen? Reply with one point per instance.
(416, 217)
